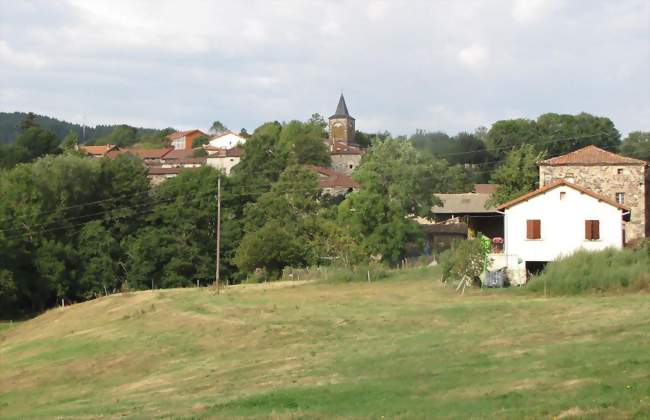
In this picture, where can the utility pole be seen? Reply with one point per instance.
(218, 231)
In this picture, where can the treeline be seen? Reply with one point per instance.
(10, 123)
(72, 227)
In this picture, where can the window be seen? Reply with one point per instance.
(351, 166)
(620, 198)
(533, 229)
(619, 171)
(592, 230)
(562, 195)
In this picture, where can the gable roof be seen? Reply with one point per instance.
(148, 153)
(329, 178)
(179, 134)
(221, 152)
(556, 184)
(97, 150)
(463, 203)
(341, 110)
(591, 155)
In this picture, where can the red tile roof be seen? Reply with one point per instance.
(158, 170)
(180, 134)
(340, 148)
(556, 184)
(148, 153)
(592, 155)
(329, 178)
(97, 150)
(221, 152)
(180, 153)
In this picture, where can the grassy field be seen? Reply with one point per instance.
(405, 347)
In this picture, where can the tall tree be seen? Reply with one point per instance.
(517, 175)
(217, 127)
(397, 182)
(637, 145)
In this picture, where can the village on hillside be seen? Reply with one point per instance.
(588, 199)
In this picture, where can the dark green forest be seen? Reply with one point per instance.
(73, 227)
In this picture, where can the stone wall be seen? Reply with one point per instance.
(607, 180)
(341, 130)
(345, 163)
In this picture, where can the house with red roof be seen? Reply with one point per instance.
(556, 220)
(333, 182)
(619, 178)
(181, 140)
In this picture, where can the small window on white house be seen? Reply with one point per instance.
(620, 198)
(562, 195)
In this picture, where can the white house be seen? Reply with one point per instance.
(557, 220)
(227, 140)
(224, 159)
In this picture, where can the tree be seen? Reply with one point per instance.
(28, 122)
(69, 142)
(517, 175)
(467, 149)
(561, 133)
(37, 142)
(217, 127)
(507, 135)
(122, 136)
(397, 182)
(200, 141)
(432, 144)
(637, 145)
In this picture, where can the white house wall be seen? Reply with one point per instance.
(227, 141)
(224, 163)
(562, 225)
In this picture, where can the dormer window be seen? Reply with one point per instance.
(562, 195)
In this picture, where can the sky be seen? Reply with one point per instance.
(402, 65)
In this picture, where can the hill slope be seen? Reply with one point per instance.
(398, 348)
(10, 120)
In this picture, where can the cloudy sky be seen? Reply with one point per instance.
(437, 65)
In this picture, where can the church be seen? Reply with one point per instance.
(345, 153)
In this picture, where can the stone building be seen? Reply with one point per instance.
(341, 124)
(619, 178)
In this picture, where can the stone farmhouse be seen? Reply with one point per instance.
(616, 177)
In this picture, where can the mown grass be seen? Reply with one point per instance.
(403, 347)
(607, 271)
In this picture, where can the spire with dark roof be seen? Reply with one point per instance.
(341, 109)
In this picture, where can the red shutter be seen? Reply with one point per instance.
(529, 229)
(595, 229)
(588, 230)
(538, 229)
(533, 229)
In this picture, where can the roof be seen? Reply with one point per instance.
(159, 170)
(180, 153)
(485, 188)
(591, 155)
(225, 133)
(463, 203)
(341, 110)
(179, 134)
(223, 153)
(97, 150)
(149, 153)
(329, 178)
(186, 161)
(556, 184)
(340, 148)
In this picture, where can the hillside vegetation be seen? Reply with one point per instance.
(404, 347)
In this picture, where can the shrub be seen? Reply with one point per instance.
(610, 270)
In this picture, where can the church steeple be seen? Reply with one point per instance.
(341, 124)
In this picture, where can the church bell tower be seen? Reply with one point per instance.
(341, 124)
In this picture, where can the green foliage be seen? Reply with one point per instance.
(57, 228)
(637, 145)
(200, 141)
(122, 136)
(397, 182)
(517, 175)
(217, 127)
(585, 272)
(69, 142)
(464, 260)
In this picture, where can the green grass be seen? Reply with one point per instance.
(607, 271)
(402, 347)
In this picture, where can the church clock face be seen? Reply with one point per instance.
(338, 130)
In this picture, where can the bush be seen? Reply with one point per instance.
(611, 270)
